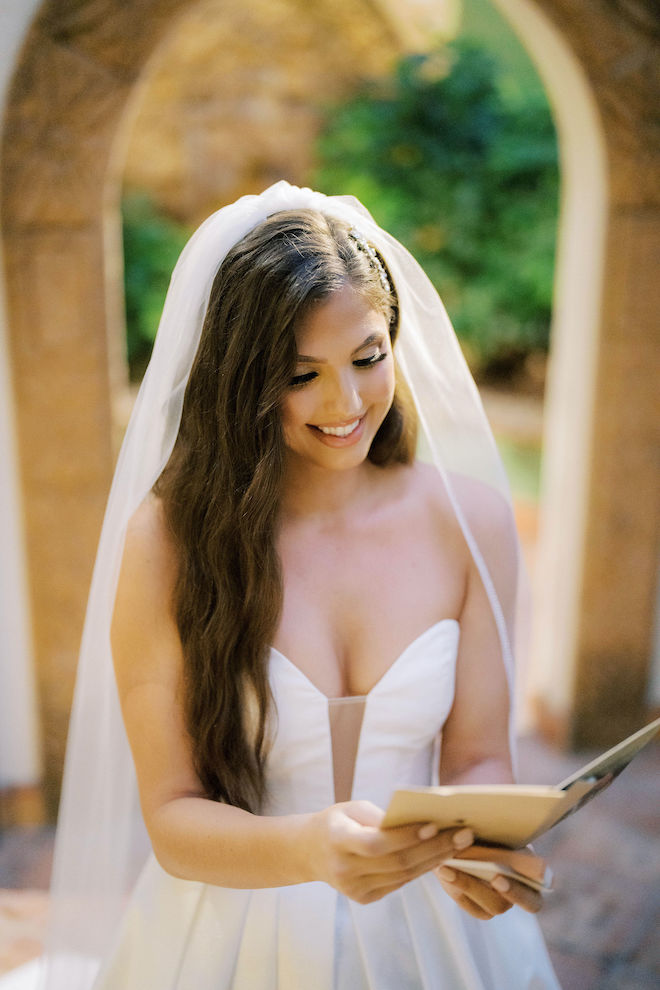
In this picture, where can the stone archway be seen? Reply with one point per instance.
(69, 100)
(599, 539)
(70, 94)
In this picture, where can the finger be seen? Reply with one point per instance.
(376, 885)
(362, 820)
(518, 893)
(427, 841)
(376, 842)
(370, 842)
(397, 870)
(355, 828)
(363, 812)
(467, 905)
(423, 856)
(374, 892)
(480, 893)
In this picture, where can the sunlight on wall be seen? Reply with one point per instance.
(571, 384)
(19, 749)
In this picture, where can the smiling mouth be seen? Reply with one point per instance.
(340, 431)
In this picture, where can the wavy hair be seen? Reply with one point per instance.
(221, 487)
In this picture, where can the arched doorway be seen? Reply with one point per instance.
(70, 98)
(70, 95)
(599, 542)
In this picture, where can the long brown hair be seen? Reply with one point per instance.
(221, 487)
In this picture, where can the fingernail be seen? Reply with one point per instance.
(447, 874)
(501, 884)
(428, 831)
(463, 839)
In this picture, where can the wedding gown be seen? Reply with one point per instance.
(180, 935)
(183, 935)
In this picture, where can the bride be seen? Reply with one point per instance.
(303, 617)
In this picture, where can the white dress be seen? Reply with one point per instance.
(182, 935)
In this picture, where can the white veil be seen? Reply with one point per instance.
(101, 841)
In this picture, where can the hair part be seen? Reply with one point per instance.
(221, 488)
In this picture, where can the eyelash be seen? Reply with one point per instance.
(298, 380)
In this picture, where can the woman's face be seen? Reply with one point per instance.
(343, 384)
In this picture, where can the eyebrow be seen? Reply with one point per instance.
(373, 338)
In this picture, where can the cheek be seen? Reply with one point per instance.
(383, 383)
(294, 411)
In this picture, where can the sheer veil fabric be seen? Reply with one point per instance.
(101, 841)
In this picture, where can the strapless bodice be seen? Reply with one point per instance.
(400, 720)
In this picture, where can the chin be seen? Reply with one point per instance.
(342, 460)
(331, 458)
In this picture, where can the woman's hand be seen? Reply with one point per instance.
(485, 900)
(350, 851)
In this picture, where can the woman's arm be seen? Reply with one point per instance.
(192, 837)
(198, 839)
(475, 739)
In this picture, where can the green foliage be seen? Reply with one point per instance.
(483, 25)
(468, 181)
(152, 244)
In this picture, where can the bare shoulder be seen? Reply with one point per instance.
(429, 501)
(144, 635)
(148, 549)
(428, 484)
(487, 512)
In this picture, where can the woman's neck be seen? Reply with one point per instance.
(314, 492)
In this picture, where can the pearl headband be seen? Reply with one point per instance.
(363, 245)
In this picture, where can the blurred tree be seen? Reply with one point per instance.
(152, 244)
(468, 181)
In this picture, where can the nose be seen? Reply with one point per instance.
(343, 399)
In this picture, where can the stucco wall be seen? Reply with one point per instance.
(19, 752)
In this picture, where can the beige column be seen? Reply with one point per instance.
(616, 44)
(65, 109)
(56, 300)
(596, 588)
(20, 757)
(618, 595)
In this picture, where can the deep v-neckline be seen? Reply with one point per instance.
(384, 676)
